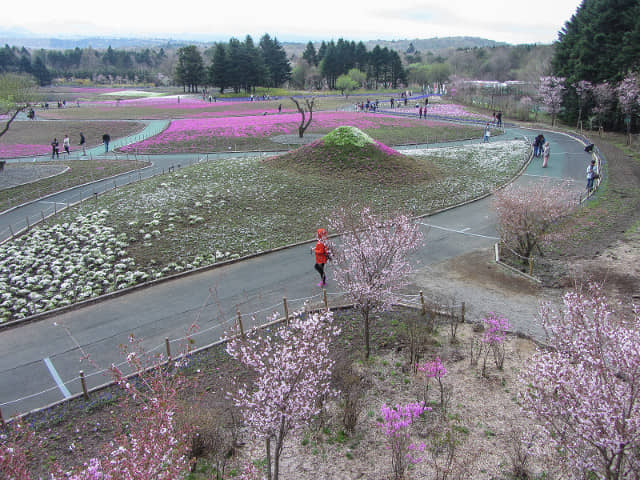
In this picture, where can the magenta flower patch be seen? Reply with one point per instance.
(197, 130)
(22, 150)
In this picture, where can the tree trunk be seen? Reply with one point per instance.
(365, 315)
(11, 119)
(268, 445)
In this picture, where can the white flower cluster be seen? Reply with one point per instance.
(58, 265)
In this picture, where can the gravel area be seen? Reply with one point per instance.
(15, 174)
(295, 139)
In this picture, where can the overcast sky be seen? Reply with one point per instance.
(511, 21)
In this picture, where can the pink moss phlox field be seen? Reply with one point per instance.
(197, 130)
(23, 150)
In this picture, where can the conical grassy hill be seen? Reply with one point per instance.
(349, 153)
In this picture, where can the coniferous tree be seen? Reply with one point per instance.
(310, 54)
(600, 42)
(275, 59)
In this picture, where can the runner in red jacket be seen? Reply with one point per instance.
(322, 255)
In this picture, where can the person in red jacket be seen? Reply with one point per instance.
(322, 255)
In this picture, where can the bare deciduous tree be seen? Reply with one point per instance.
(309, 102)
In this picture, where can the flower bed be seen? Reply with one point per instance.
(62, 264)
(23, 150)
(189, 135)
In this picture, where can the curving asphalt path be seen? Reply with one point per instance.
(40, 361)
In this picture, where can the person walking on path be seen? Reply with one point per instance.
(66, 144)
(545, 154)
(55, 152)
(82, 144)
(592, 174)
(487, 134)
(538, 144)
(322, 255)
(106, 138)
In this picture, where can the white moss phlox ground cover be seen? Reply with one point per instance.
(497, 156)
(61, 264)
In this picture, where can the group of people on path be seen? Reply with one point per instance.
(55, 147)
(66, 145)
(541, 148)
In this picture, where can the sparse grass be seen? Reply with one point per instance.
(81, 171)
(245, 205)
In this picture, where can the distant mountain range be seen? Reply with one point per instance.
(23, 38)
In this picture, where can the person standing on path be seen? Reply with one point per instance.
(54, 149)
(106, 138)
(487, 134)
(545, 154)
(592, 174)
(322, 255)
(66, 144)
(82, 144)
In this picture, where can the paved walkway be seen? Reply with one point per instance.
(39, 362)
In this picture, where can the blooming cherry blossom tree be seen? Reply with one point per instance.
(551, 90)
(585, 388)
(371, 264)
(525, 213)
(293, 369)
(583, 89)
(629, 100)
(604, 97)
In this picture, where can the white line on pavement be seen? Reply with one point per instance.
(54, 373)
(461, 232)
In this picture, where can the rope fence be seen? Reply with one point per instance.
(274, 314)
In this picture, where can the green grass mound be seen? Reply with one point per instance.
(349, 153)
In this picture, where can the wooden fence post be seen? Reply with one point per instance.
(286, 310)
(240, 324)
(424, 310)
(167, 346)
(83, 382)
(2, 419)
(462, 312)
(530, 265)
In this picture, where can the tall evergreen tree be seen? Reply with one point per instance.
(190, 69)
(600, 42)
(217, 72)
(310, 54)
(275, 59)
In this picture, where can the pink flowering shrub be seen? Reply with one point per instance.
(584, 389)
(433, 369)
(494, 336)
(396, 427)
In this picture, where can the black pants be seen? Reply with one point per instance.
(320, 268)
